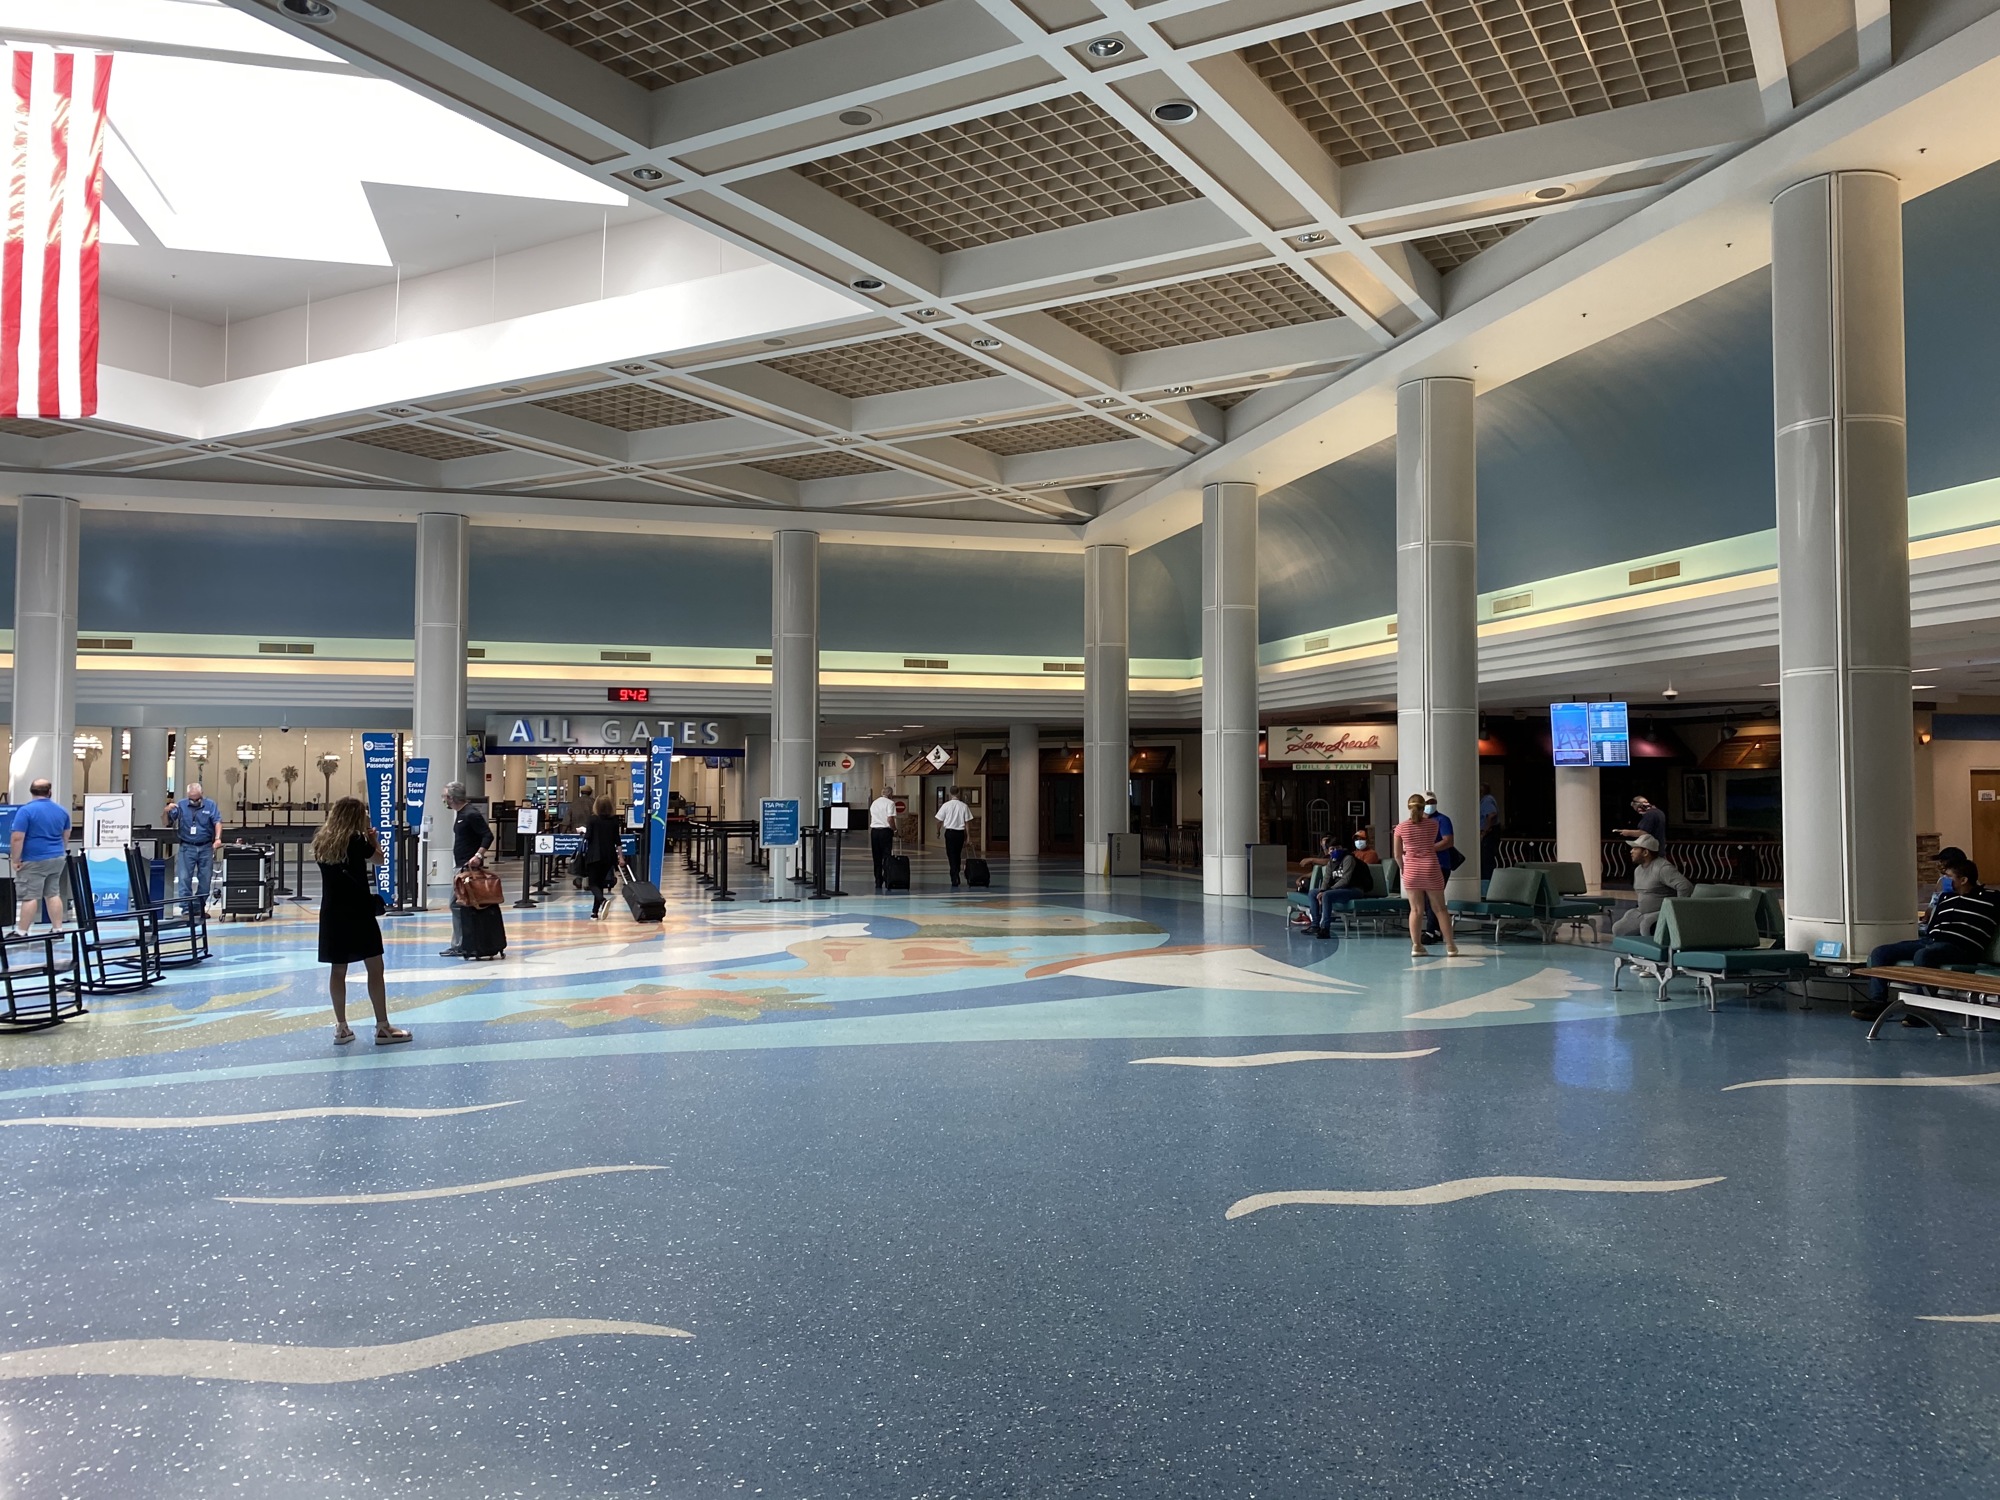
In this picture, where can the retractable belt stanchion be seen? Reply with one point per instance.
(524, 836)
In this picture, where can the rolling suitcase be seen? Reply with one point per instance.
(484, 932)
(977, 872)
(643, 900)
(897, 868)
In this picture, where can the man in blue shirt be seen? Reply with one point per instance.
(198, 821)
(38, 846)
(1489, 831)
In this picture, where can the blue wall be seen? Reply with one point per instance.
(926, 599)
(1326, 546)
(585, 587)
(1166, 598)
(227, 575)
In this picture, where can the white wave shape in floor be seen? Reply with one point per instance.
(264, 1117)
(415, 1195)
(306, 1364)
(1958, 1317)
(1522, 994)
(1235, 969)
(1273, 1059)
(1461, 1188)
(1961, 1081)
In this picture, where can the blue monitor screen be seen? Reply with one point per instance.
(1569, 730)
(1610, 735)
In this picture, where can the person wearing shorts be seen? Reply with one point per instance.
(41, 832)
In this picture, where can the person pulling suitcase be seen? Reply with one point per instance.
(477, 896)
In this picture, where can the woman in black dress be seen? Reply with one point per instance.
(345, 847)
(603, 854)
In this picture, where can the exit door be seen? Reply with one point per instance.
(1986, 823)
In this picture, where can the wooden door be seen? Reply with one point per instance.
(1985, 849)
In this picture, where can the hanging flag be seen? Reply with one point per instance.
(48, 267)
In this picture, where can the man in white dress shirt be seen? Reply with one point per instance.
(952, 817)
(882, 835)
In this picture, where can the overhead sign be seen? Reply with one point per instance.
(938, 757)
(519, 734)
(1355, 745)
(1569, 733)
(1590, 734)
(378, 767)
(416, 782)
(778, 822)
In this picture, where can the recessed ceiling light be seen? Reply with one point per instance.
(630, 469)
(775, 343)
(1106, 46)
(513, 390)
(926, 312)
(1174, 111)
(1310, 237)
(1103, 400)
(1179, 390)
(211, 447)
(316, 11)
(1136, 416)
(633, 369)
(484, 432)
(986, 343)
(1106, 279)
(857, 117)
(866, 283)
(648, 174)
(1548, 193)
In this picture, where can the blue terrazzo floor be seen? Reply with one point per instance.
(934, 1234)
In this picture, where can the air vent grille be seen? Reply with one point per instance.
(625, 656)
(1507, 604)
(763, 658)
(285, 648)
(927, 663)
(1654, 573)
(474, 653)
(101, 643)
(1317, 643)
(1062, 666)
(1392, 627)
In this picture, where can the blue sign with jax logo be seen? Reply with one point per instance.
(110, 882)
(378, 766)
(416, 781)
(659, 768)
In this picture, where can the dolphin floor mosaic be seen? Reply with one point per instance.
(867, 1198)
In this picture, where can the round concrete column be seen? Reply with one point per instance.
(795, 669)
(1228, 686)
(1580, 823)
(1843, 561)
(1437, 611)
(438, 705)
(1024, 793)
(1107, 724)
(149, 775)
(45, 560)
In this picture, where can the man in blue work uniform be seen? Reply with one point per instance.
(198, 822)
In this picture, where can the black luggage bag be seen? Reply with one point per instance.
(977, 872)
(644, 901)
(483, 931)
(897, 868)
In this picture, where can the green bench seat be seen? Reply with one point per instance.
(1710, 939)
(1515, 894)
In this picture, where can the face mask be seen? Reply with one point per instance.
(1430, 807)
(1361, 843)
(1946, 885)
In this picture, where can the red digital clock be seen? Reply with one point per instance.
(629, 695)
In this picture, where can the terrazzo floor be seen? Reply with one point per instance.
(1060, 1189)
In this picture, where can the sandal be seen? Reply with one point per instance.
(389, 1035)
(342, 1035)
(1420, 953)
(1451, 953)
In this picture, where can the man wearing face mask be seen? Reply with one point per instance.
(1364, 847)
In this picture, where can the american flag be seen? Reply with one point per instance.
(48, 267)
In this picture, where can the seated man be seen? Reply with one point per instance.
(1654, 878)
(1959, 930)
(1347, 880)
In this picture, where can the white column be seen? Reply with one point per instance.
(1228, 686)
(795, 668)
(1024, 793)
(1580, 823)
(438, 710)
(45, 560)
(756, 771)
(1437, 611)
(149, 775)
(1843, 561)
(183, 761)
(1107, 725)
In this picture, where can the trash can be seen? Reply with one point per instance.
(156, 880)
(1123, 858)
(1267, 871)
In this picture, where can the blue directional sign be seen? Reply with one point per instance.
(779, 823)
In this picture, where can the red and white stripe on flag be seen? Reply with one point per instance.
(48, 266)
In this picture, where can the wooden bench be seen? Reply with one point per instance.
(1905, 983)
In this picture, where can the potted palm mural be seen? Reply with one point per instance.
(326, 765)
(290, 775)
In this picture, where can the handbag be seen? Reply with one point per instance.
(478, 887)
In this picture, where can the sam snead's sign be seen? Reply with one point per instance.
(1332, 744)
(530, 732)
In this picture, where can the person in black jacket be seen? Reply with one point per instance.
(603, 854)
(1347, 879)
(471, 837)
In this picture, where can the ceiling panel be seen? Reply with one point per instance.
(630, 408)
(1455, 247)
(1023, 171)
(882, 367)
(424, 442)
(1444, 71)
(1044, 437)
(818, 466)
(1192, 312)
(657, 42)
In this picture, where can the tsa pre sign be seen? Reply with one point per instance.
(659, 768)
(779, 825)
(378, 765)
